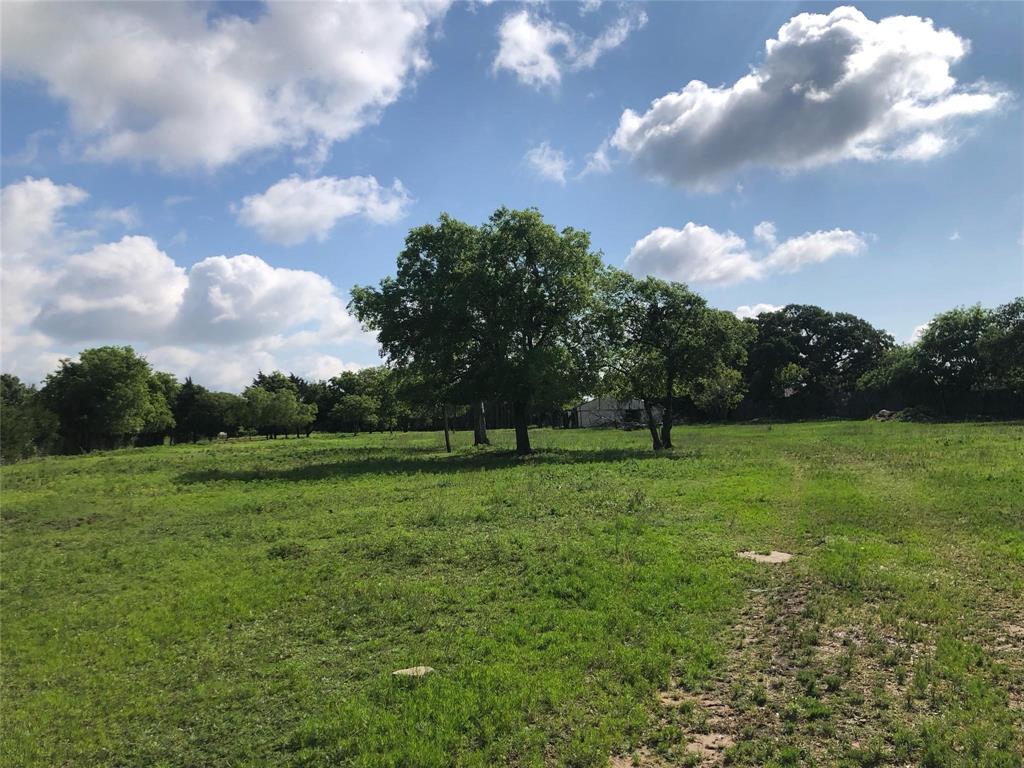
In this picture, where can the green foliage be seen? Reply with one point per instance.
(949, 351)
(806, 361)
(1002, 346)
(663, 342)
(277, 411)
(425, 317)
(537, 301)
(501, 311)
(26, 426)
(356, 412)
(106, 398)
(199, 413)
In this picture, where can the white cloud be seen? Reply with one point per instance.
(294, 209)
(700, 254)
(33, 237)
(918, 331)
(814, 248)
(597, 161)
(167, 82)
(831, 87)
(547, 162)
(746, 311)
(765, 233)
(955, 236)
(589, 6)
(224, 318)
(236, 299)
(538, 50)
(130, 286)
(694, 253)
(529, 47)
(614, 36)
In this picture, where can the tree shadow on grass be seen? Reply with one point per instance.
(413, 461)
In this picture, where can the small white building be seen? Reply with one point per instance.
(610, 412)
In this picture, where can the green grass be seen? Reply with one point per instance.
(244, 604)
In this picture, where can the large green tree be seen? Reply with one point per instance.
(806, 361)
(534, 298)
(106, 398)
(666, 343)
(427, 316)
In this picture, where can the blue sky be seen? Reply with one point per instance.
(887, 155)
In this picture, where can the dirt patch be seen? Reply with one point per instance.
(709, 745)
(772, 557)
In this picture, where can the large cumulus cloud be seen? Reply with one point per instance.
(178, 85)
(700, 254)
(831, 87)
(221, 319)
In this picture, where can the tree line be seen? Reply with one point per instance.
(111, 397)
(516, 312)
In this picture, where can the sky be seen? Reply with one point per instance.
(206, 182)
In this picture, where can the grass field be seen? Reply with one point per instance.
(244, 604)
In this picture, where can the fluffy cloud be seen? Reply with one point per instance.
(237, 299)
(831, 87)
(813, 248)
(538, 50)
(547, 162)
(746, 311)
(221, 320)
(130, 286)
(700, 254)
(695, 254)
(531, 48)
(294, 209)
(173, 83)
(34, 236)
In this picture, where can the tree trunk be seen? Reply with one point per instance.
(520, 418)
(666, 417)
(479, 424)
(655, 440)
(447, 434)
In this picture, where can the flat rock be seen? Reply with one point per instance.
(772, 557)
(413, 672)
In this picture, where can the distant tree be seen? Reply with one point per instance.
(1002, 347)
(665, 343)
(831, 349)
(279, 412)
(277, 382)
(356, 412)
(160, 422)
(896, 379)
(27, 428)
(719, 391)
(199, 413)
(949, 354)
(315, 393)
(106, 398)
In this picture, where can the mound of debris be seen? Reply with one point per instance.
(919, 415)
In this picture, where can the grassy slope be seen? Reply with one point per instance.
(245, 603)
